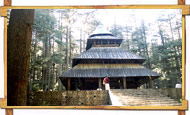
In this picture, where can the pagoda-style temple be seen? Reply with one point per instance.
(104, 57)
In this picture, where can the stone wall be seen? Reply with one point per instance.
(69, 98)
(174, 93)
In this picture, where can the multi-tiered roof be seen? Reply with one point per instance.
(103, 56)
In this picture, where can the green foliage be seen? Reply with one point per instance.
(117, 30)
(43, 55)
(53, 46)
(53, 41)
(163, 53)
(36, 87)
(57, 58)
(169, 61)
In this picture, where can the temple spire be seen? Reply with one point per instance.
(102, 38)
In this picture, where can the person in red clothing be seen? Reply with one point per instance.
(106, 83)
(106, 80)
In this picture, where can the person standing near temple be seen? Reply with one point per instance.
(106, 83)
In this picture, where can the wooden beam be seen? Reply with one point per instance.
(185, 8)
(102, 7)
(183, 107)
(8, 111)
(5, 57)
(183, 56)
(7, 2)
(181, 2)
(124, 83)
(99, 83)
(3, 12)
(3, 103)
(181, 112)
(68, 83)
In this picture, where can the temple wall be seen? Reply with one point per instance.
(69, 98)
(174, 93)
(84, 97)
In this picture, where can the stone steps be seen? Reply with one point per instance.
(143, 97)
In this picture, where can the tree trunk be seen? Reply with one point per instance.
(53, 77)
(49, 64)
(19, 38)
(84, 45)
(67, 50)
(60, 66)
(80, 41)
(45, 65)
(43, 78)
(146, 45)
(171, 29)
(70, 47)
(161, 35)
(53, 69)
(176, 57)
(127, 39)
(33, 60)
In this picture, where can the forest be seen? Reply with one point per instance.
(59, 35)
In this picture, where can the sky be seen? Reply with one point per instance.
(130, 17)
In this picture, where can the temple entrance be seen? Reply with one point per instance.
(124, 83)
(90, 83)
(132, 83)
(116, 83)
(95, 83)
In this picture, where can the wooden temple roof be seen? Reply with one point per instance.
(104, 57)
(112, 70)
(104, 37)
(107, 53)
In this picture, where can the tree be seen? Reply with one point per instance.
(144, 33)
(117, 30)
(166, 56)
(139, 43)
(54, 45)
(19, 36)
(126, 42)
(52, 48)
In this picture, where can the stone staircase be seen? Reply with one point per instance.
(143, 97)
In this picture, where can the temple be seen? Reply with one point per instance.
(104, 57)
